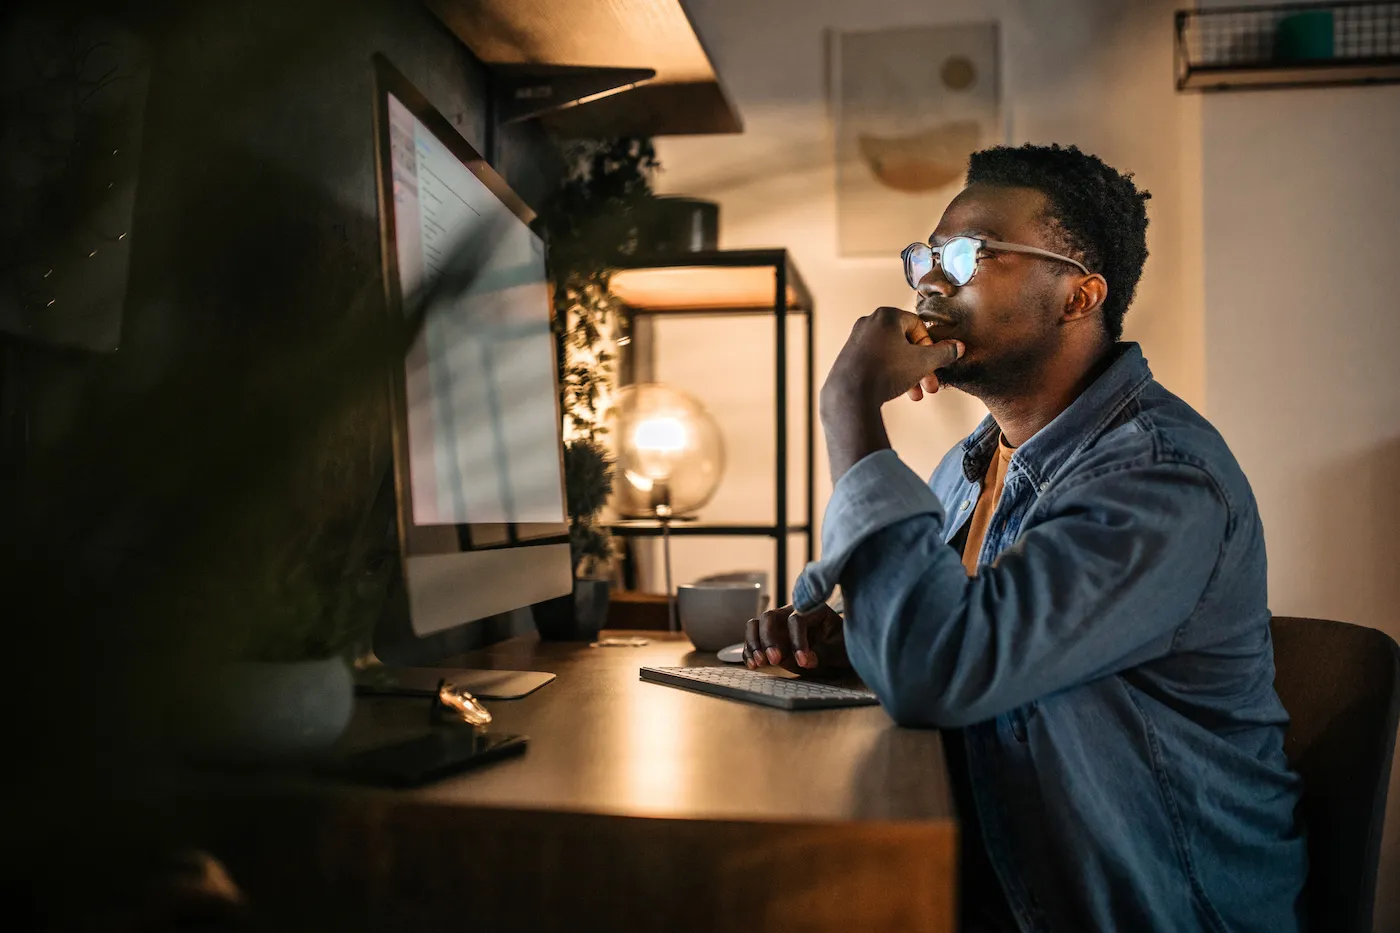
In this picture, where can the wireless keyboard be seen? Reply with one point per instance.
(754, 687)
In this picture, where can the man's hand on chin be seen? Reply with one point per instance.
(888, 354)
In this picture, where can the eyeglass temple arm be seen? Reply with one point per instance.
(1034, 251)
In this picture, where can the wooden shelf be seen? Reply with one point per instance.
(742, 281)
(685, 97)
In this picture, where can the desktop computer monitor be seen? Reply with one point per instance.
(477, 457)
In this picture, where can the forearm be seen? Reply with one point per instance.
(1103, 589)
(853, 427)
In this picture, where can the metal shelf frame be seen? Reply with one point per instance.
(788, 298)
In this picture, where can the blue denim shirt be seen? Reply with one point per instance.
(1110, 664)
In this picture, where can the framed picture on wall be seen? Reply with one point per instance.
(910, 106)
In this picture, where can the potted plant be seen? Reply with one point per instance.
(592, 219)
(295, 585)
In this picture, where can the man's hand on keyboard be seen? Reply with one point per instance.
(810, 643)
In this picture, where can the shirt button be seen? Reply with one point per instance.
(1044, 486)
(962, 507)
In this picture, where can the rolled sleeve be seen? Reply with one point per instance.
(876, 493)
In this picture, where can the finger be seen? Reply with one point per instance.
(752, 650)
(942, 353)
(797, 634)
(915, 330)
(772, 633)
(916, 393)
(928, 385)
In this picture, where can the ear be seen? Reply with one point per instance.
(1088, 295)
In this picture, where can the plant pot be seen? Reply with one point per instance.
(576, 617)
(673, 224)
(255, 713)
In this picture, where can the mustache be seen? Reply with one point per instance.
(936, 310)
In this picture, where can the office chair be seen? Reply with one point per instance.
(1341, 686)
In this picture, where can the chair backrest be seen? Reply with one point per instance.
(1341, 686)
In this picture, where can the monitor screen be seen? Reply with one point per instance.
(483, 430)
(477, 453)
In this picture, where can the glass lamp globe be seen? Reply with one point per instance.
(670, 455)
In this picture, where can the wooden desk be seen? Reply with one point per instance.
(637, 806)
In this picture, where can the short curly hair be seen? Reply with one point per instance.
(1096, 213)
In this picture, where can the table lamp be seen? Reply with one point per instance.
(669, 460)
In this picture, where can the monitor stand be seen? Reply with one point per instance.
(423, 681)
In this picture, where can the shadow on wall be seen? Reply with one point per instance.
(1355, 525)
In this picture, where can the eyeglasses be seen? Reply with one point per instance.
(959, 257)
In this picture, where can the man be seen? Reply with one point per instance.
(1077, 597)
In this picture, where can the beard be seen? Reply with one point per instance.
(1010, 374)
(1008, 371)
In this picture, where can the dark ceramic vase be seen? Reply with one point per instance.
(576, 617)
(673, 224)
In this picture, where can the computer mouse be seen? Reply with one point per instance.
(734, 654)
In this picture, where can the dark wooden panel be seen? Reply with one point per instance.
(380, 865)
(629, 609)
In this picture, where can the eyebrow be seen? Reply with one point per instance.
(980, 232)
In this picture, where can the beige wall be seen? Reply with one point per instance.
(1092, 72)
(1302, 198)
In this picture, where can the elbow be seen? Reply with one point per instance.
(928, 712)
(907, 715)
(920, 695)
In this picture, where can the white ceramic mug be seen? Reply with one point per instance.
(713, 615)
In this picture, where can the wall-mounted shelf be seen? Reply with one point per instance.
(1288, 45)
(685, 97)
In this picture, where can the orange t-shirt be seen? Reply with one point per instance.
(992, 484)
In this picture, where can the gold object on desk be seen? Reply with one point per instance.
(460, 702)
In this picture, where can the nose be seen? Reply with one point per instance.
(935, 283)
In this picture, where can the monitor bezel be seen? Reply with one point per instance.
(416, 540)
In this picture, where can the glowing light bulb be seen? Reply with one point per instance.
(660, 435)
(668, 450)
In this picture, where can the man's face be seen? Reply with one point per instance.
(1008, 316)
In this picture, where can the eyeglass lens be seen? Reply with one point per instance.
(958, 257)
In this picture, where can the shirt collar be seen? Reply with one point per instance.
(1074, 428)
